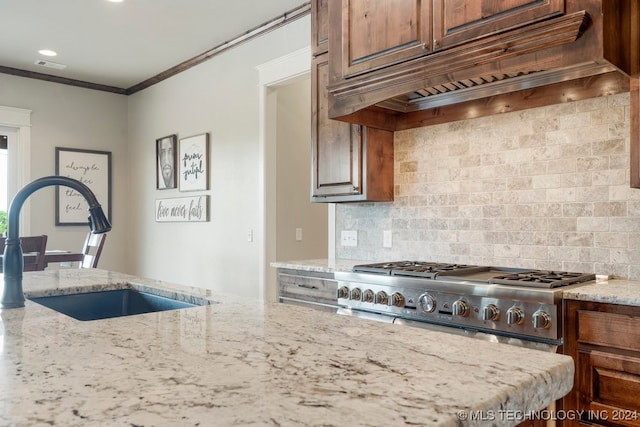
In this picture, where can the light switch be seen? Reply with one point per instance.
(298, 234)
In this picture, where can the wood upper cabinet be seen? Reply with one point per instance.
(459, 21)
(378, 33)
(349, 162)
(604, 341)
(319, 26)
(374, 34)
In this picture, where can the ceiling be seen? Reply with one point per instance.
(124, 44)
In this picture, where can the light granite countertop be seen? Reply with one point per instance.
(240, 362)
(612, 291)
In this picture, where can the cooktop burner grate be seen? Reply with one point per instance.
(542, 279)
(417, 268)
(477, 274)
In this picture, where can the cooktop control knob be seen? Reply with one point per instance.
(382, 298)
(343, 292)
(490, 312)
(541, 320)
(427, 303)
(356, 294)
(397, 299)
(460, 308)
(369, 296)
(515, 316)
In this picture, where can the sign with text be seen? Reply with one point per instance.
(194, 162)
(92, 168)
(183, 209)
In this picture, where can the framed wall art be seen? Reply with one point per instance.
(93, 168)
(194, 163)
(166, 162)
(183, 209)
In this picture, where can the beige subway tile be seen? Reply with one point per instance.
(608, 147)
(609, 177)
(593, 224)
(592, 163)
(608, 115)
(622, 224)
(546, 181)
(577, 120)
(562, 224)
(579, 179)
(613, 239)
(560, 195)
(592, 104)
(534, 252)
(564, 253)
(612, 209)
(577, 209)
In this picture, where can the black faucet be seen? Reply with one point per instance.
(12, 263)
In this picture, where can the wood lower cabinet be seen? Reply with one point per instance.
(312, 289)
(350, 163)
(604, 341)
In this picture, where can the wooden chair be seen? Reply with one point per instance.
(92, 249)
(35, 247)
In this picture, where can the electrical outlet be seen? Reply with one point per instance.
(299, 234)
(349, 238)
(387, 239)
(250, 235)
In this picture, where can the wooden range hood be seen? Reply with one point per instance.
(590, 51)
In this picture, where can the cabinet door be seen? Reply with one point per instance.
(609, 387)
(319, 26)
(336, 146)
(372, 34)
(604, 341)
(459, 21)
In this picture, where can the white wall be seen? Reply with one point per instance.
(66, 116)
(221, 97)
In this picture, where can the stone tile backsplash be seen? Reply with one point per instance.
(543, 188)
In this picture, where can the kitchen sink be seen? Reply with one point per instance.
(113, 303)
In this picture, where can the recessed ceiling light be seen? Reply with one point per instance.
(47, 52)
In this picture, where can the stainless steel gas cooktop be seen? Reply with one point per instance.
(498, 275)
(518, 303)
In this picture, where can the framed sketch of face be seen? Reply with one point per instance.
(166, 162)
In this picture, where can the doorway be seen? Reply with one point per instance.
(277, 102)
(301, 226)
(15, 123)
(4, 202)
